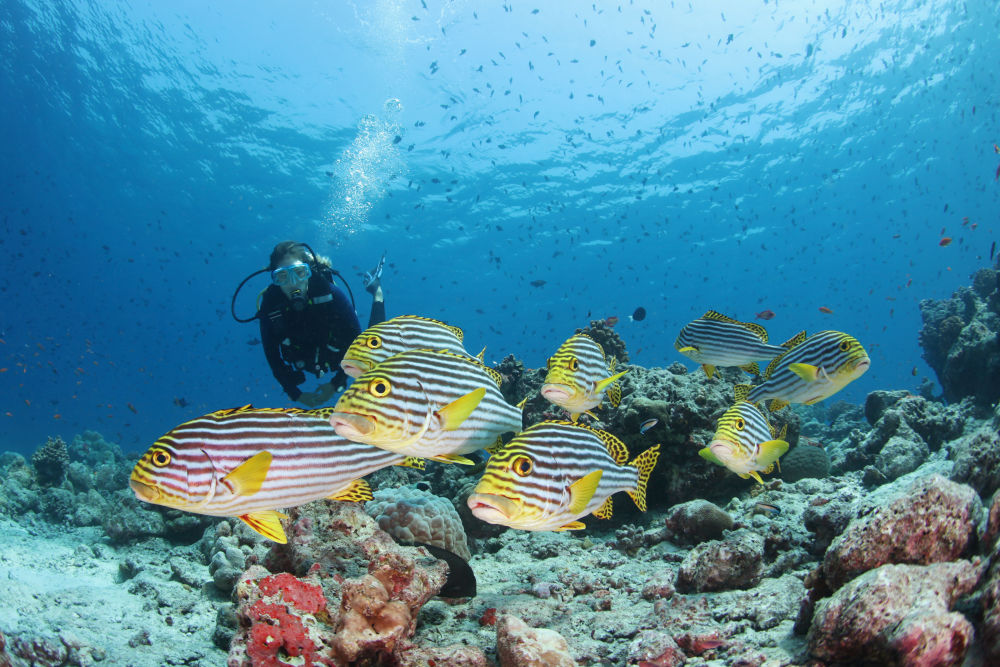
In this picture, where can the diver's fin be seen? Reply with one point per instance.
(247, 478)
(268, 524)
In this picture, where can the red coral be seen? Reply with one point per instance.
(304, 597)
(277, 631)
(489, 617)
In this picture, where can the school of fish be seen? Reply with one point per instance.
(418, 394)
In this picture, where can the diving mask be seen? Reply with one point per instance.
(298, 272)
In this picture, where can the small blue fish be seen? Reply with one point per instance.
(648, 424)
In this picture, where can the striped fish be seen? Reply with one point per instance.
(406, 332)
(426, 403)
(744, 441)
(555, 472)
(811, 369)
(249, 462)
(716, 340)
(578, 376)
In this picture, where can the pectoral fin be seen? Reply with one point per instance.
(572, 525)
(686, 349)
(709, 369)
(582, 490)
(770, 451)
(247, 478)
(454, 458)
(603, 384)
(268, 524)
(456, 412)
(807, 372)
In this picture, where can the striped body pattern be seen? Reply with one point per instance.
(555, 472)
(192, 467)
(716, 340)
(744, 440)
(406, 332)
(431, 404)
(813, 369)
(579, 375)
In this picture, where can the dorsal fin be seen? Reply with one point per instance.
(616, 448)
(757, 329)
(794, 340)
(741, 391)
(455, 330)
(788, 345)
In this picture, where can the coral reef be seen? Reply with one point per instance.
(697, 521)
(411, 514)
(720, 565)
(519, 645)
(961, 339)
(50, 462)
(805, 460)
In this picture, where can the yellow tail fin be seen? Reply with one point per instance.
(645, 462)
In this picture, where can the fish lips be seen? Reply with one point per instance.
(143, 491)
(355, 368)
(352, 426)
(492, 508)
(554, 392)
(861, 366)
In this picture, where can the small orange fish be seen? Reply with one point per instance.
(945, 241)
(824, 309)
(611, 321)
(765, 314)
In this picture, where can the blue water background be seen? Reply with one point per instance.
(739, 156)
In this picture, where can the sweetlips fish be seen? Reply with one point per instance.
(248, 462)
(811, 369)
(555, 472)
(716, 340)
(427, 403)
(744, 440)
(579, 375)
(406, 332)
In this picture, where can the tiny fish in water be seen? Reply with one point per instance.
(648, 424)
(914, 372)
(824, 309)
(537, 283)
(611, 321)
(945, 241)
(765, 314)
(993, 249)
(639, 315)
(766, 508)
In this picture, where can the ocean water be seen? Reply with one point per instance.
(738, 156)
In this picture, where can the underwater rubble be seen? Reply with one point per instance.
(875, 543)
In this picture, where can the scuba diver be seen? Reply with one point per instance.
(306, 322)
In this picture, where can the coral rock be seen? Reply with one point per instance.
(519, 645)
(722, 565)
(991, 615)
(896, 614)
(697, 521)
(51, 461)
(977, 462)
(655, 649)
(934, 521)
(805, 461)
(412, 515)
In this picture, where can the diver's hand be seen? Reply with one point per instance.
(313, 399)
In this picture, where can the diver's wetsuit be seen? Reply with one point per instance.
(313, 339)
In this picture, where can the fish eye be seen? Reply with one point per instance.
(521, 466)
(574, 364)
(740, 424)
(845, 345)
(161, 458)
(379, 387)
(374, 342)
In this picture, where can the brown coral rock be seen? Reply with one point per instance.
(520, 645)
(896, 615)
(935, 521)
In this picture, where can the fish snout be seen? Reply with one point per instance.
(862, 365)
(492, 508)
(355, 368)
(555, 392)
(352, 426)
(143, 491)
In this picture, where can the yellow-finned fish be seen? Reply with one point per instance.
(406, 332)
(579, 375)
(249, 462)
(432, 404)
(555, 472)
(716, 340)
(811, 369)
(744, 441)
